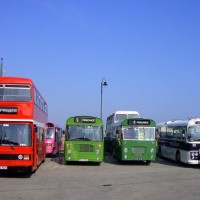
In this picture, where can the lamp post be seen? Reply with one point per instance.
(103, 84)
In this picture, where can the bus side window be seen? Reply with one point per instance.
(183, 133)
(66, 132)
(108, 134)
(43, 134)
(169, 132)
(177, 133)
(38, 135)
(157, 133)
(163, 132)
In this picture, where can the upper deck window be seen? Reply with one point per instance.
(133, 116)
(120, 117)
(10, 92)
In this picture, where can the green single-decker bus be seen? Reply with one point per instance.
(134, 140)
(84, 141)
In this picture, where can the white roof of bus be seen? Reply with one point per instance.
(180, 122)
(126, 112)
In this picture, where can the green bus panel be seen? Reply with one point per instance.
(84, 151)
(135, 150)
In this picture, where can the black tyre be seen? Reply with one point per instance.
(159, 152)
(178, 157)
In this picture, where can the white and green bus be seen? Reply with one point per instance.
(84, 139)
(179, 140)
(112, 122)
(133, 140)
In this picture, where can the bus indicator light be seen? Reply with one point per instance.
(26, 157)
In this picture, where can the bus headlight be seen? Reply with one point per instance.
(20, 157)
(69, 151)
(194, 155)
(97, 151)
(152, 150)
(24, 157)
(125, 150)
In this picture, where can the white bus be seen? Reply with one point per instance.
(118, 116)
(179, 140)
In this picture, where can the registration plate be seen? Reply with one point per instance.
(83, 160)
(3, 167)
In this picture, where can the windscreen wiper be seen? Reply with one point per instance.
(81, 138)
(5, 142)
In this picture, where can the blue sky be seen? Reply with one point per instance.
(148, 51)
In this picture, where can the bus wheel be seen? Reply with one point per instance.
(31, 170)
(178, 157)
(37, 160)
(43, 161)
(159, 152)
(114, 154)
(147, 162)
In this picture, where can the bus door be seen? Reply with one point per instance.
(34, 147)
(116, 143)
(57, 140)
(39, 146)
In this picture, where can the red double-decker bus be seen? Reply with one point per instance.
(23, 115)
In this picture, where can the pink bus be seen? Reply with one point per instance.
(53, 139)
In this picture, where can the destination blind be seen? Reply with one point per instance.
(138, 122)
(8, 110)
(84, 120)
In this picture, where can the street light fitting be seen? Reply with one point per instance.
(103, 83)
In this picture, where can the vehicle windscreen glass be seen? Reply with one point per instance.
(86, 133)
(15, 135)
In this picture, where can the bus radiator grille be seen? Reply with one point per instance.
(138, 150)
(84, 148)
